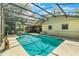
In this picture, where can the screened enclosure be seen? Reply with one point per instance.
(25, 15)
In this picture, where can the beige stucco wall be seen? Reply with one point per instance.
(73, 26)
(1, 24)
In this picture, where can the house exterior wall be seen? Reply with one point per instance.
(73, 26)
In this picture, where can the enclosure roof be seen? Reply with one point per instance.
(37, 13)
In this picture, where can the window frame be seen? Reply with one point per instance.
(49, 27)
(64, 26)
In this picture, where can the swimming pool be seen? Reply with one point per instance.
(39, 44)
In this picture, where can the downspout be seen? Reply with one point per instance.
(1, 24)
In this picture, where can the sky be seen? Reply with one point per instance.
(50, 6)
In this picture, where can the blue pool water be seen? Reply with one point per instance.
(39, 44)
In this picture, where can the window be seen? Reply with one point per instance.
(64, 26)
(49, 27)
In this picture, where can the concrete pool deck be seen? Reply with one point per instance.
(15, 48)
(67, 48)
